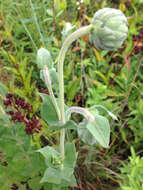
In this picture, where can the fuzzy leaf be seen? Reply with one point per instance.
(44, 57)
(84, 133)
(68, 125)
(100, 130)
(48, 111)
(70, 155)
(56, 176)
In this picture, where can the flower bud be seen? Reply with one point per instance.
(109, 29)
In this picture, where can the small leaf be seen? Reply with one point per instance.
(33, 183)
(56, 176)
(98, 55)
(52, 157)
(48, 151)
(27, 81)
(84, 133)
(73, 88)
(70, 155)
(52, 175)
(50, 12)
(68, 125)
(63, 4)
(13, 70)
(97, 125)
(48, 111)
(53, 77)
(65, 183)
(100, 130)
(44, 57)
(3, 89)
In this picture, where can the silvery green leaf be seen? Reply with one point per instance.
(68, 125)
(93, 108)
(94, 130)
(50, 12)
(54, 174)
(84, 134)
(100, 130)
(97, 126)
(42, 75)
(44, 57)
(48, 111)
(53, 77)
(67, 29)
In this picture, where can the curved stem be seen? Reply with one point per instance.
(79, 110)
(75, 35)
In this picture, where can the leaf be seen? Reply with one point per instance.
(91, 109)
(98, 55)
(53, 77)
(28, 81)
(50, 12)
(13, 70)
(19, 155)
(100, 129)
(53, 187)
(48, 152)
(68, 125)
(34, 183)
(84, 133)
(48, 111)
(102, 76)
(70, 155)
(59, 14)
(51, 175)
(72, 182)
(3, 89)
(73, 88)
(97, 125)
(44, 57)
(55, 176)
(113, 115)
(53, 158)
(63, 4)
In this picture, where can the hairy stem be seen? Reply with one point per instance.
(75, 35)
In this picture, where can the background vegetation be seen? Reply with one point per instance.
(114, 80)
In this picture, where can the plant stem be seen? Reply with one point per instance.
(75, 35)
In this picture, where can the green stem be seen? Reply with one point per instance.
(75, 35)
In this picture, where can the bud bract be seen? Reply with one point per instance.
(109, 29)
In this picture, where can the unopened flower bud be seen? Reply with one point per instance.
(109, 29)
